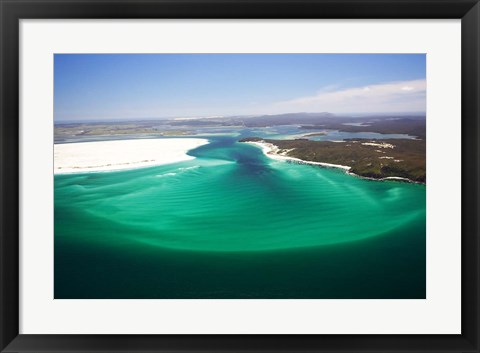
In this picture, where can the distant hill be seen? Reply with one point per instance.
(287, 119)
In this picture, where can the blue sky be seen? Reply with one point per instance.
(135, 86)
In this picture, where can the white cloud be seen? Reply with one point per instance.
(394, 97)
(403, 96)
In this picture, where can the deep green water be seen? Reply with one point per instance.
(233, 223)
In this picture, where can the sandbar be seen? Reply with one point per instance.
(101, 156)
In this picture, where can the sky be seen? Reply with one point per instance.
(143, 86)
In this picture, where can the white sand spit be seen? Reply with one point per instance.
(274, 152)
(121, 154)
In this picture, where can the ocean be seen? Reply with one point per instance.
(233, 223)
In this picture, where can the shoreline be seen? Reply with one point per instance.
(116, 155)
(271, 151)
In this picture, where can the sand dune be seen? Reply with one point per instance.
(121, 154)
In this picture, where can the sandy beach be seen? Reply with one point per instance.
(121, 154)
(272, 151)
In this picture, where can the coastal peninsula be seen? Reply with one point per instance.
(376, 159)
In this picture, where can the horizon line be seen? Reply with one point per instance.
(333, 115)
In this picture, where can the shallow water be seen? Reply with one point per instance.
(233, 223)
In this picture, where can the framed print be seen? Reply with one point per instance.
(239, 176)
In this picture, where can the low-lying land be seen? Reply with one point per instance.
(92, 129)
(378, 159)
(414, 125)
(410, 126)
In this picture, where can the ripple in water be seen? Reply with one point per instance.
(233, 198)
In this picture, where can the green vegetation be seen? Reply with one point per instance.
(368, 158)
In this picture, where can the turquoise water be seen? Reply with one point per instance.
(233, 223)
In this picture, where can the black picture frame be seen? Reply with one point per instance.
(14, 10)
